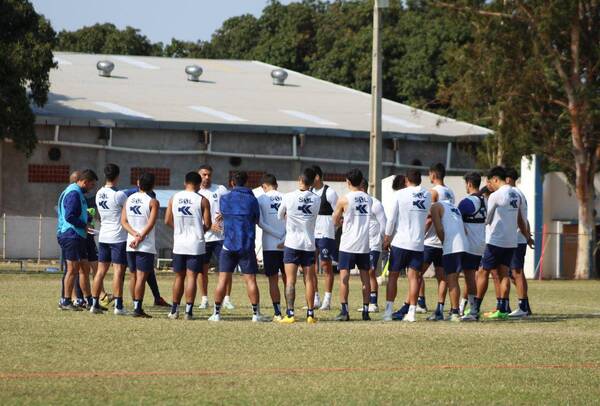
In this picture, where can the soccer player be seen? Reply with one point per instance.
(240, 212)
(188, 213)
(502, 220)
(300, 209)
(518, 260)
(139, 218)
(325, 236)
(71, 233)
(214, 236)
(406, 224)
(473, 210)
(449, 227)
(353, 212)
(273, 237)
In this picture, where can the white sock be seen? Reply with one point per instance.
(471, 299)
(327, 297)
(462, 305)
(389, 307)
(226, 299)
(204, 299)
(412, 309)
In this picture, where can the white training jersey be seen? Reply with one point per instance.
(444, 194)
(455, 239)
(501, 222)
(300, 209)
(408, 213)
(213, 195)
(324, 227)
(355, 229)
(273, 228)
(188, 224)
(377, 225)
(476, 230)
(138, 213)
(109, 203)
(520, 237)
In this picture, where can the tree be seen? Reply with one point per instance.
(26, 42)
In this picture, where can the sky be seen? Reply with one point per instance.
(159, 20)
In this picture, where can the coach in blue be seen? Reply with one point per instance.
(71, 232)
(240, 212)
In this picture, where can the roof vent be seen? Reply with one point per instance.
(279, 76)
(193, 73)
(105, 68)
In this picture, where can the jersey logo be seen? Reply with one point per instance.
(185, 210)
(455, 211)
(103, 204)
(135, 209)
(514, 204)
(362, 209)
(305, 208)
(420, 204)
(275, 206)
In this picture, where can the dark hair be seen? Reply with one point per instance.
(484, 191)
(88, 175)
(239, 178)
(354, 176)
(146, 181)
(414, 176)
(268, 179)
(474, 178)
(497, 171)
(512, 173)
(317, 170)
(205, 167)
(416, 162)
(193, 178)
(308, 176)
(364, 184)
(439, 170)
(399, 182)
(111, 172)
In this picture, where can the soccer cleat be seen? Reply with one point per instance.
(454, 317)
(96, 310)
(325, 306)
(277, 317)
(80, 305)
(106, 299)
(121, 312)
(311, 320)
(260, 318)
(173, 316)
(203, 305)
(287, 320)
(398, 315)
(141, 314)
(488, 314)
(469, 317)
(373, 308)
(497, 315)
(161, 302)
(366, 317)
(518, 313)
(342, 317)
(188, 317)
(409, 318)
(421, 309)
(466, 311)
(435, 317)
(387, 317)
(228, 305)
(68, 306)
(215, 317)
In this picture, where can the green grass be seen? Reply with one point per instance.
(237, 362)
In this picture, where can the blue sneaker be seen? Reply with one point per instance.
(398, 316)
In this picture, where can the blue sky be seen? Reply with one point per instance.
(160, 20)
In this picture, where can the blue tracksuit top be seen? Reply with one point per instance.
(240, 216)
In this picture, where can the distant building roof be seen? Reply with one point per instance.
(153, 92)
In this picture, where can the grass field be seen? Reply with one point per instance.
(53, 357)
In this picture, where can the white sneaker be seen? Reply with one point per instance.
(518, 313)
(325, 306)
(277, 318)
(259, 318)
(215, 317)
(203, 305)
(121, 312)
(409, 318)
(387, 317)
(317, 302)
(173, 316)
(96, 310)
(421, 310)
(373, 308)
(228, 305)
(469, 317)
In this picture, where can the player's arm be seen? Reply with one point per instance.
(129, 229)
(73, 210)
(265, 226)
(154, 207)
(491, 209)
(282, 209)
(206, 219)
(437, 211)
(390, 226)
(524, 229)
(169, 213)
(340, 208)
(380, 217)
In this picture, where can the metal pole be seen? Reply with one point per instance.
(375, 144)
(40, 241)
(4, 236)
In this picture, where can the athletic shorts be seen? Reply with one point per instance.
(115, 253)
(140, 261)
(91, 249)
(452, 263)
(273, 262)
(374, 259)
(471, 262)
(73, 249)
(229, 260)
(518, 258)
(495, 256)
(213, 248)
(349, 260)
(433, 255)
(182, 263)
(298, 257)
(326, 248)
(400, 259)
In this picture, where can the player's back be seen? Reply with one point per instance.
(188, 228)
(269, 206)
(109, 203)
(138, 215)
(355, 228)
(412, 205)
(301, 208)
(503, 209)
(455, 239)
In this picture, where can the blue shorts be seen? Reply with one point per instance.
(400, 259)
(518, 258)
(115, 253)
(326, 248)
(495, 256)
(229, 260)
(452, 263)
(350, 260)
(73, 249)
(433, 255)
(374, 259)
(273, 262)
(213, 248)
(298, 257)
(90, 247)
(181, 263)
(140, 261)
(471, 262)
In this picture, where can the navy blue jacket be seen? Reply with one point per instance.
(240, 216)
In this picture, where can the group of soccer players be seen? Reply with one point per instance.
(486, 233)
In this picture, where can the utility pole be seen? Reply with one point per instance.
(376, 142)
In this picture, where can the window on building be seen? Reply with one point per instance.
(334, 177)
(162, 175)
(48, 173)
(254, 178)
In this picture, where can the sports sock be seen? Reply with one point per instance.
(421, 301)
(344, 308)
(174, 307)
(95, 302)
(389, 307)
(412, 309)
(454, 311)
(326, 297)
(189, 308)
(204, 299)
(65, 301)
(439, 308)
(218, 308)
(498, 304)
(255, 309)
(310, 313)
(477, 305)
(289, 312)
(227, 299)
(373, 298)
(502, 306)
(277, 308)
(137, 305)
(404, 308)
(90, 301)
(524, 304)
(471, 300)
(507, 306)
(317, 297)
(365, 308)
(463, 305)
(119, 303)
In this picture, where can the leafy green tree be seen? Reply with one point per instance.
(26, 42)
